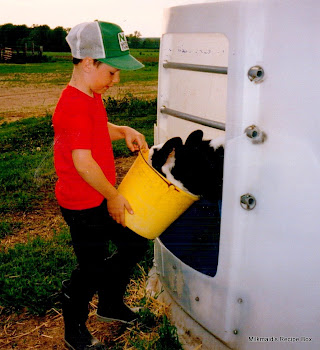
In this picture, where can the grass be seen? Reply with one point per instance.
(154, 330)
(141, 54)
(12, 72)
(158, 334)
(59, 69)
(137, 113)
(26, 164)
(31, 273)
(9, 227)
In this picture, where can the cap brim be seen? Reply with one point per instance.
(126, 62)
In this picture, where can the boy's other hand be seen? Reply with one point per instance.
(116, 207)
(135, 140)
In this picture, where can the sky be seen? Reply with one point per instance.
(144, 16)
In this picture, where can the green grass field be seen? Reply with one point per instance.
(59, 68)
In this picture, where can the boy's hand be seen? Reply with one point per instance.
(116, 207)
(135, 140)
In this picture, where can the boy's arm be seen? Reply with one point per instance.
(134, 139)
(91, 172)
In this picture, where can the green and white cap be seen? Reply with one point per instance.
(103, 41)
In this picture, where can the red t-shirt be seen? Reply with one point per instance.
(80, 122)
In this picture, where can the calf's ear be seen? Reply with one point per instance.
(161, 153)
(194, 138)
(172, 144)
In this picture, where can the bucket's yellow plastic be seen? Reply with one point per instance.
(156, 202)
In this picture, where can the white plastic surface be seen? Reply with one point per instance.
(196, 93)
(268, 279)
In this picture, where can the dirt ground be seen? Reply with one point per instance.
(39, 99)
(26, 332)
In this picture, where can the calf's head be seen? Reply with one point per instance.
(196, 166)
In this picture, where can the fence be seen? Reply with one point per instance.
(18, 55)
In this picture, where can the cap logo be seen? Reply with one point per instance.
(123, 42)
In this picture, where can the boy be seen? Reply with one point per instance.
(90, 204)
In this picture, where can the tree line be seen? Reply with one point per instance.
(22, 37)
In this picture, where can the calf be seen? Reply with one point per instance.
(195, 167)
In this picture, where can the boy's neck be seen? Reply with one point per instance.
(77, 81)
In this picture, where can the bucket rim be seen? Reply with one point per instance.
(169, 183)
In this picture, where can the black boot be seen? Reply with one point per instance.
(119, 312)
(112, 308)
(76, 335)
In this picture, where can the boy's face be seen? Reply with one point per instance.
(103, 77)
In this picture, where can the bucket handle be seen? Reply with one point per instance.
(157, 172)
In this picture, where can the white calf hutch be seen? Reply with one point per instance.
(253, 69)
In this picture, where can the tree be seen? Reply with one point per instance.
(58, 40)
(134, 40)
(151, 43)
(40, 36)
(11, 35)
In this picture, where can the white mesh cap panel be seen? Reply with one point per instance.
(85, 41)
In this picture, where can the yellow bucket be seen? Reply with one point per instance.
(156, 202)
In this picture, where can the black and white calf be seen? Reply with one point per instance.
(195, 166)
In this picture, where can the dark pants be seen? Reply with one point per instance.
(97, 270)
